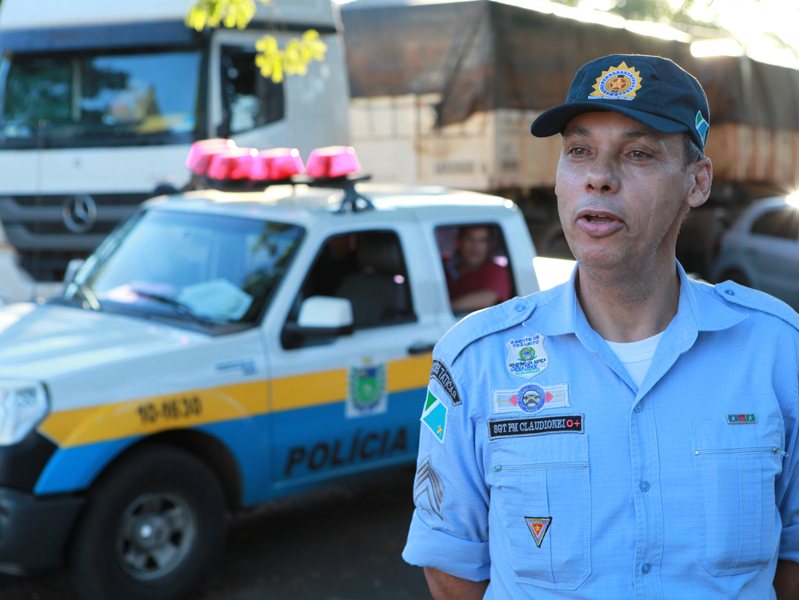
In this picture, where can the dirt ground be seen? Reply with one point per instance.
(340, 543)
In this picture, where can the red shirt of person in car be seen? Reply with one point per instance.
(474, 280)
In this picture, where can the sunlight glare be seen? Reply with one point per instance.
(717, 48)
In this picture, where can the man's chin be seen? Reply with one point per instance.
(597, 262)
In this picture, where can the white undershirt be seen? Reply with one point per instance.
(636, 356)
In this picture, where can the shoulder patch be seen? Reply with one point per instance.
(441, 374)
(756, 300)
(480, 324)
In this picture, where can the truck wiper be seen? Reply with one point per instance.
(180, 308)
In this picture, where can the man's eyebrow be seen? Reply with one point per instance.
(577, 131)
(646, 134)
(633, 134)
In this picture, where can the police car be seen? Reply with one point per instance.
(222, 348)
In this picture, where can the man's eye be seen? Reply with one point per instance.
(638, 154)
(577, 151)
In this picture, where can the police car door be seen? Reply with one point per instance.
(348, 402)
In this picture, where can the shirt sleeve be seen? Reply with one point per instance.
(787, 489)
(449, 529)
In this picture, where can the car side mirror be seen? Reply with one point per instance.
(321, 319)
(331, 316)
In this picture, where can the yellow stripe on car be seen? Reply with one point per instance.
(145, 416)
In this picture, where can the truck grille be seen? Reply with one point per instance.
(50, 230)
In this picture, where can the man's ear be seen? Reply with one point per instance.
(701, 173)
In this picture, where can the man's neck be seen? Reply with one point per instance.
(630, 308)
(464, 268)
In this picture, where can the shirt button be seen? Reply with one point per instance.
(645, 568)
(520, 307)
(639, 407)
(644, 486)
(729, 292)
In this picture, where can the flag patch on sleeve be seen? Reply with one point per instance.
(434, 416)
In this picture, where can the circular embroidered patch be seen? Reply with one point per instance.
(618, 83)
(531, 398)
(526, 353)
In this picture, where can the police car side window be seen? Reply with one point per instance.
(368, 269)
(475, 259)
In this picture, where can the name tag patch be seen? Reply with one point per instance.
(555, 396)
(736, 419)
(441, 374)
(498, 429)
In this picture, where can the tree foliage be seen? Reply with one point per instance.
(759, 25)
(644, 10)
(273, 61)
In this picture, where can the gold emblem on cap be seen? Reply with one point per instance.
(617, 82)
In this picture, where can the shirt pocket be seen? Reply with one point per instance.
(544, 479)
(736, 467)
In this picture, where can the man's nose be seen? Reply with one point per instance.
(602, 177)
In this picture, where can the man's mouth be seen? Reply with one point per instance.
(598, 224)
(598, 219)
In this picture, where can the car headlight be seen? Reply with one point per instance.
(23, 404)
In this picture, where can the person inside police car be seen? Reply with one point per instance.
(474, 280)
(661, 462)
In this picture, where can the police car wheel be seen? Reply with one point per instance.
(151, 530)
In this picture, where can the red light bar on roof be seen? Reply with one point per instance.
(276, 164)
(333, 161)
(201, 152)
(235, 163)
(221, 160)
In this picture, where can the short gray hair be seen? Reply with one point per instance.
(693, 153)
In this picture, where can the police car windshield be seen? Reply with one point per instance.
(218, 268)
(99, 99)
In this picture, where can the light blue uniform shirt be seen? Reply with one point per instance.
(544, 469)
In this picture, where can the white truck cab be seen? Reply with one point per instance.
(100, 101)
(219, 350)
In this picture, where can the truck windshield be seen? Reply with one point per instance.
(107, 99)
(204, 268)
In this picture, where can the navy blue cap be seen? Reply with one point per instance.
(651, 90)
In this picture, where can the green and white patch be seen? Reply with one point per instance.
(367, 393)
(434, 416)
(526, 356)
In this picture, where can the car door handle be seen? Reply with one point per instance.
(421, 348)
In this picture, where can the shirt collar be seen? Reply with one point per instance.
(558, 312)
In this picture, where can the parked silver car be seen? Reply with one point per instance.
(761, 249)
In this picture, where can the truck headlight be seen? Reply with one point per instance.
(23, 404)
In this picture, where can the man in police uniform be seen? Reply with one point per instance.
(632, 433)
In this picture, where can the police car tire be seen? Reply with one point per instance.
(97, 571)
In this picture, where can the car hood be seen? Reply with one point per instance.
(40, 342)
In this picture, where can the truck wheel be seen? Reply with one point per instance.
(151, 530)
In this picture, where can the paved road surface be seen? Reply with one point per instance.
(342, 543)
